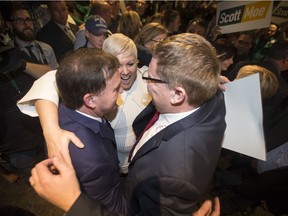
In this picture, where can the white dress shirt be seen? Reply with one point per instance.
(163, 121)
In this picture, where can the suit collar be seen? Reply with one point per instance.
(175, 128)
(97, 127)
(58, 29)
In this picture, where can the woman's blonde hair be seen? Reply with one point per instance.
(118, 44)
(268, 81)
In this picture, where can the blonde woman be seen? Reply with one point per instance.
(277, 157)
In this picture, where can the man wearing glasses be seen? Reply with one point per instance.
(21, 139)
(38, 57)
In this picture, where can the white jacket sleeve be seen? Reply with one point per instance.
(43, 88)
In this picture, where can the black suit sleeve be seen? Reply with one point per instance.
(84, 205)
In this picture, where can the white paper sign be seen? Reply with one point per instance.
(280, 13)
(243, 15)
(244, 132)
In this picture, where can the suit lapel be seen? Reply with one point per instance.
(74, 28)
(60, 31)
(97, 127)
(167, 133)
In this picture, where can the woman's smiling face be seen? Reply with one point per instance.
(128, 70)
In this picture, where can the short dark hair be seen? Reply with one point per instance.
(12, 8)
(188, 60)
(225, 48)
(84, 71)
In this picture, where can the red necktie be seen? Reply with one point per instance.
(152, 121)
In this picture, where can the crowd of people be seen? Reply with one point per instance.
(126, 102)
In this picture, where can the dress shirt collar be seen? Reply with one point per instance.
(89, 116)
(22, 43)
(63, 26)
(170, 118)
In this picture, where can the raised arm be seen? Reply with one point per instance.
(42, 100)
(56, 139)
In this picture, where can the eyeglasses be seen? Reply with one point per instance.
(21, 21)
(148, 79)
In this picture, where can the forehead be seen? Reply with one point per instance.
(272, 27)
(245, 37)
(57, 5)
(22, 13)
(125, 57)
(114, 81)
(141, 1)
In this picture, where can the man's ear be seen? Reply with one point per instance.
(89, 100)
(178, 95)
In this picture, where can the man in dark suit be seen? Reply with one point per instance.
(58, 33)
(174, 160)
(88, 82)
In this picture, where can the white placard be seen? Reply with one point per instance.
(244, 132)
(243, 15)
(280, 13)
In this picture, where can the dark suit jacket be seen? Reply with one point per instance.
(144, 56)
(96, 165)
(84, 205)
(171, 172)
(53, 35)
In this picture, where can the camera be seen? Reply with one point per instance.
(9, 61)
